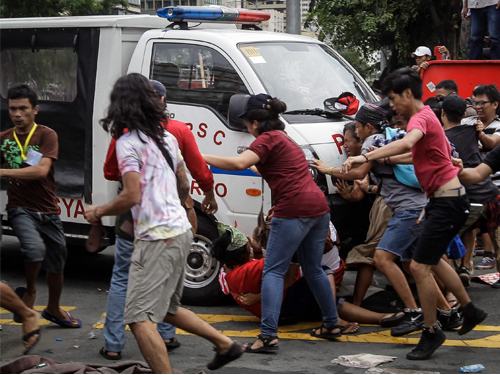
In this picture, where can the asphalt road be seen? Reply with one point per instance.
(87, 280)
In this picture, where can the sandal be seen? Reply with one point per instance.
(105, 354)
(172, 344)
(234, 352)
(329, 334)
(392, 320)
(267, 345)
(27, 337)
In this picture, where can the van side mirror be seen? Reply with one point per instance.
(237, 105)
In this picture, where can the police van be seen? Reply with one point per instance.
(204, 56)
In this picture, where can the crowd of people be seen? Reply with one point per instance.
(432, 171)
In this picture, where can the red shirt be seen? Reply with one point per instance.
(189, 149)
(286, 170)
(431, 154)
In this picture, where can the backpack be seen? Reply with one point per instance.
(405, 173)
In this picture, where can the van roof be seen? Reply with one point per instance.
(145, 21)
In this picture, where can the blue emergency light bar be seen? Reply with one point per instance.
(212, 13)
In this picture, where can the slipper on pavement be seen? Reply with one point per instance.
(28, 336)
(105, 354)
(172, 344)
(65, 323)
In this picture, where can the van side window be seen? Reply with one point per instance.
(52, 72)
(196, 74)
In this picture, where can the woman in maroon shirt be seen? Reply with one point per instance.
(300, 221)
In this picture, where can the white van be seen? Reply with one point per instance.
(73, 63)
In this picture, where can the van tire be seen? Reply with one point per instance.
(201, 284)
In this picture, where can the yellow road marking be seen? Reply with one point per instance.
(292, 332)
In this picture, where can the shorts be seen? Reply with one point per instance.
(156, 278)
(41, 237)
(399, 238)
(491, 220)
(444, 218)
(474, 218)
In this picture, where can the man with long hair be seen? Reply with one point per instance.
(155, 188)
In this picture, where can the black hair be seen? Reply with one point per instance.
(491, 91)
(379, 93)
(23, 91)
(454, 118)
(351, 126)
(402, 79)
(134, 105)
(268, 119)
(230, 258)
(449, 85)
(435, 105)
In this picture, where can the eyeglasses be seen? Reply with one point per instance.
(480, 104)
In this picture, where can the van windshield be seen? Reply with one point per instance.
(303, 75)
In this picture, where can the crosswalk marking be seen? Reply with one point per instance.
(490, 338)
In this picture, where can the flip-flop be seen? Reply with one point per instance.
(28, 336)
(61, 322)
(20, 291)
(174, 343)
(392, 320)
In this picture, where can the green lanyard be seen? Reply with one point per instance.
(24, 150)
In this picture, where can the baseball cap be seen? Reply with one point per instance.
(159, 88)
(454, 105)
(422, 51)
(260, 101)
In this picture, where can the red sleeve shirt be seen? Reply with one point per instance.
(189, 149)
(431, 155)
(284, 167)
(247, 279)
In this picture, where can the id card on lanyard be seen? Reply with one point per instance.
(30, 157)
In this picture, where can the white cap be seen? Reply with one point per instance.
(422, 51)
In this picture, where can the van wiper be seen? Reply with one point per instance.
(318, 112)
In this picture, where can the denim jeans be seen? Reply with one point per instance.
(114, 329)
(306, 236)
(482, 18)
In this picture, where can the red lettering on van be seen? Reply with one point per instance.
(190, 126)
(221, 190)
(215, 137)
(202, 133)
(195, 186)
(80, 210)
(339, 141)
(68, 206)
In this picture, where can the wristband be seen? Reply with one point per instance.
(370, 188)
(329, 171)
(366, 158)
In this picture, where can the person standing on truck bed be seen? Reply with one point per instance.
(484, 14)
(300, 221)
(155, 189)
(29, 151)
(114, 329)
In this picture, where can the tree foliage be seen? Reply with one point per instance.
(54, 8)
(398, 26)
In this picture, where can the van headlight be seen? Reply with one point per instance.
(319, 178)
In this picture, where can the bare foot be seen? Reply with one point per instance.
(349, 327)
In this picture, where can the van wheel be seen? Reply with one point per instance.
(201, 285)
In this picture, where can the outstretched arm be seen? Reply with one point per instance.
(233, 163)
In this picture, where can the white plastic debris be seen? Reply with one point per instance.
(92, 335)
(76, 346)
(363, 360)
(389, 370)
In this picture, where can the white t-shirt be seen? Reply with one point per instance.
(332, 258)
(159, 215)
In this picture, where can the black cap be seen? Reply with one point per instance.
(159, 88)
(260, 101)
(454, 105)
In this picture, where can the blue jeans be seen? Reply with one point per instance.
(114, 329)
(482, 18)
(306, 236)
